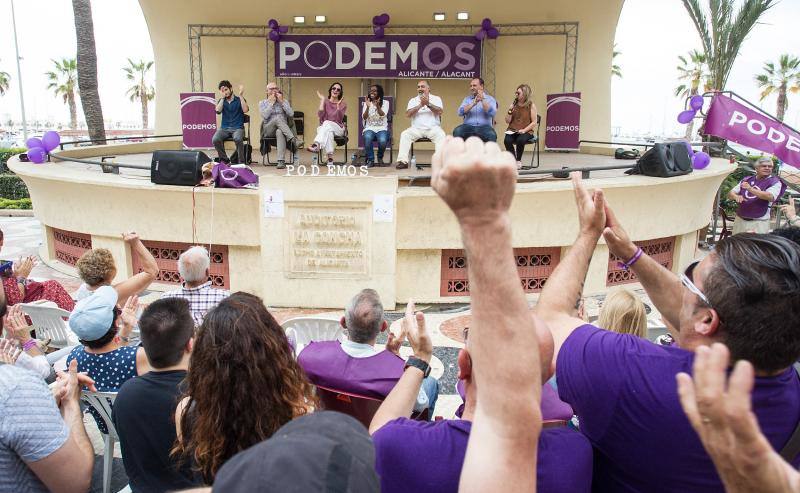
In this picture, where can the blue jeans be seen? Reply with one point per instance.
(369, 138)
(484, 132)
(431, 388)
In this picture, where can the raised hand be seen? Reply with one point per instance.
(68, 384)
(279, 96)
(619, 243)
(395, 341)
(9, 352)
(128, 315)
(15, 324)
(23, 267)
(414, 328)
(320, 96)
(241, 90)
(789, 211)
(591, 207)
(475, 179)
(130, 236)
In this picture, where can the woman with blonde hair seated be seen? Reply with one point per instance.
(623, 312)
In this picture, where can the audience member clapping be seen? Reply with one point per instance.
(194, 267)
(623, 312)
(28, 354)
(243, 384)
(744, 294)
(720, 411)
(144, 410)
(97, 268)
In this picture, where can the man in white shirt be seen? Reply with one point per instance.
(425, 111)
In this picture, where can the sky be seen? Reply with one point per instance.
(651, 34)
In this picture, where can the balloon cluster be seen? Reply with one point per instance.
(699, 159)
(487, 30)
(38, 149)
(276, 30)
(379, 23)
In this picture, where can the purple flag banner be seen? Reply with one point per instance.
(391, 57)
(198, 119)
(741, 124)
(562, 132)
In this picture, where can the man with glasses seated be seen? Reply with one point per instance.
(276, 113)
(425, 111)
(743, 294)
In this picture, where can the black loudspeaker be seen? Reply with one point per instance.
(664, 160)
(177, 167)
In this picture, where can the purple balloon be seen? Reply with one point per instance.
(700, 160)
(480, 35)
(378, 30)
(376, 20)
(37, 155)
(283, 29)
(33, 143)
(50, 140)
(689, 148)
(273, 24)
(486, 24)
(384, 19)
(686, 116)
(492, 33)
(274, 36)
(696, 103)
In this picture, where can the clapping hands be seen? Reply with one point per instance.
(15, 324)
(68, 384)
(23, 266)
(9, 352)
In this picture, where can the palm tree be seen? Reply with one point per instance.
(615, 69)
(140, 90)
(784, 79)
(87, 69)
(693, 71)
(63, 82)
(722, 33)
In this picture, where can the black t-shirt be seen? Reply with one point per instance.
(144, 416)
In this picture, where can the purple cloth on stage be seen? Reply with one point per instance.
(403, 451)
(552, 406)
(754, 207)
(327, 365)
(623, 390)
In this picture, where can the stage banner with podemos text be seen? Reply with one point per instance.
(391, 57)
(198, 119)
(562, 132)
(734, 121)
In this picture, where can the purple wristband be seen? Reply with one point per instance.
(627, 265)
(28, 344)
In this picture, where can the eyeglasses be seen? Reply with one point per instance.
(420, 87)
(686, 280)
(337, 89)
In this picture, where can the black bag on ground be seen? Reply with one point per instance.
(621, 153)
(664, 160)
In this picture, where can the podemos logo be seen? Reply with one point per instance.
(326, 170)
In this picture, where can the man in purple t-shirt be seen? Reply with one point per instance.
(623, 389)
(564, 461)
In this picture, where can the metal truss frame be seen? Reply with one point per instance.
(488, 54)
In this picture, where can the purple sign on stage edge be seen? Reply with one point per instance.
(734, 121)
(562, 132)
(198, 119)
(391, 57)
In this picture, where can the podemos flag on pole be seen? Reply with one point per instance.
(736, 122)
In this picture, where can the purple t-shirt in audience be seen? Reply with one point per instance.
(426, 457)
(624, 392)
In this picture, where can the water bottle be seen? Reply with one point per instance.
(314, 160)
(413, 161)
(296, 159)
(353, 158)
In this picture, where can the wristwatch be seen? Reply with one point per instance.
(418, 363)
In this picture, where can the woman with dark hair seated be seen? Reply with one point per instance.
(331, 120)
(19, 289)
(243, 384)
(376, 123)
(103, 331)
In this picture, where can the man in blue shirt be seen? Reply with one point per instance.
(478, 110)
(232, 109)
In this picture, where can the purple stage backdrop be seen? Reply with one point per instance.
(563, 122)
(391, 57)
(198, 119)
(743, 125)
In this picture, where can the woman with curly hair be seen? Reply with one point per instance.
(97, 268)
(243, 384)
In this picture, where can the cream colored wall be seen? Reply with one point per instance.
(536, 60)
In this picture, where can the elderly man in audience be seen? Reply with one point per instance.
(193, 265)
(43, 443)
(743, 294)
(565, 457)
(355, 365)
(144, 411)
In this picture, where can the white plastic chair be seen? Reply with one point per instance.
(103, 402)
(48, 322)
(303, 330)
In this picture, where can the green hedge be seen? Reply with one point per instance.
(11, 186)
(16, 204)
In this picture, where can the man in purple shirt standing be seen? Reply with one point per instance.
(743, 294)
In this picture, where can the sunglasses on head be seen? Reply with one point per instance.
(688, 281)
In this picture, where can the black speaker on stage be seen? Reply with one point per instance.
(177, 167)
(664, 160)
